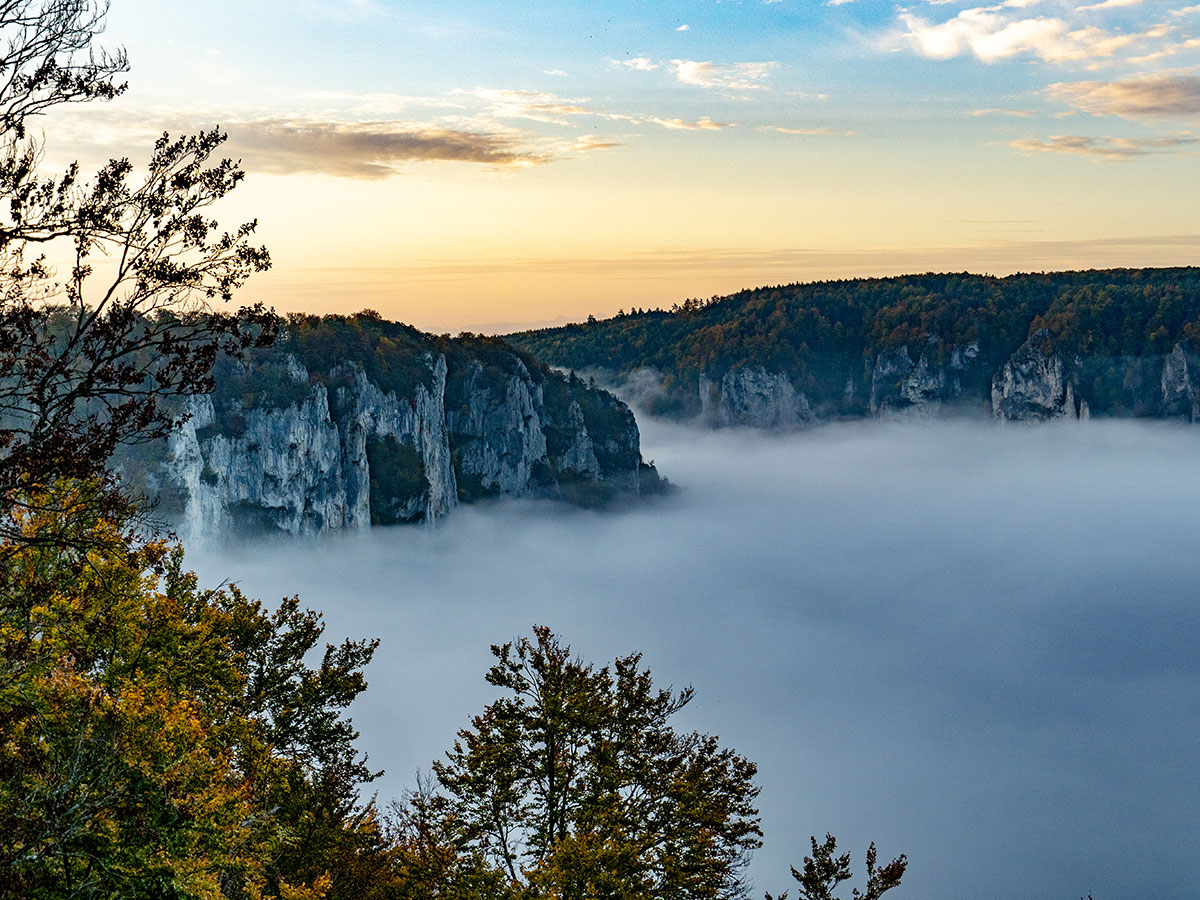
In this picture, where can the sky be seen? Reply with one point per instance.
(974, 645)
(481, 165)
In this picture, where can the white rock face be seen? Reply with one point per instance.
(1033, 386)
(923, 385)
(419, 421)
(580, 455)
(294, 469)
(286, 465)
(504, 437)
(753, 396)
(961, 357)
(900, 386)
(302, 469)
(1179, 395)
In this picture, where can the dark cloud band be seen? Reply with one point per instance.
(370, 151)
(1160, 96)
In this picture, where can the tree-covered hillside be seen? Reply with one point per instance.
(827, 337)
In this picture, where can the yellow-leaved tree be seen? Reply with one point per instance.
(157, 740)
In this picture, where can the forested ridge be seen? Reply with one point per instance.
(825, 334)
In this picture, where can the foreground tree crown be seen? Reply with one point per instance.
(158, 740)
(574, 784)
(823, 872)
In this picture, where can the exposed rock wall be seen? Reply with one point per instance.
(755, 397)
(304, 464)
(1179, 394)
(898, 385)
(498, 428)
(419, 421)
(1036, 382)
(1033, 386)
(284, 469)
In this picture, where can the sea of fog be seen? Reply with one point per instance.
(976, 645)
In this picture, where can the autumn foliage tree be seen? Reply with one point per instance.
(157, 740)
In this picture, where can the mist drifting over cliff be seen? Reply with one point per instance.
(976, 645)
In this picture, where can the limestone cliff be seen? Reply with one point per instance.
(1033, 346)
(754, 397)
(292, 440)
(898, 385)
(1180, 396)
(1033, 385)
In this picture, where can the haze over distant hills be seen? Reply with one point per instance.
(1118, 342)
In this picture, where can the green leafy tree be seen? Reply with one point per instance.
(157, 740)
(824, 871)
(574, 784)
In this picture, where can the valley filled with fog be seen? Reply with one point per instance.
(979, 646)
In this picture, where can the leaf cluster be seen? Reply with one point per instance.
(824, 871)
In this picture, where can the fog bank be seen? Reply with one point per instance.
(979, 646)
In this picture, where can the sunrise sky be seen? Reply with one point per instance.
(466, 165)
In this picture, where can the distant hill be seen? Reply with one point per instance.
(1119, 342)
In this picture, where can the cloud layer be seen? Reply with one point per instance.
(990, 34)
(744, 76)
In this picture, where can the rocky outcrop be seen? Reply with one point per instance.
(900, 386)
(580, 455)
(1033, 386)
(1179, 394)
(498, 428)
(418, 421)
(755, 397)
(310, 454)
(294, 468)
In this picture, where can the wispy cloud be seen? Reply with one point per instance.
(1105, 149)
(704, 123)
(1018, 113)
(1167, 50)
(1159, 96)
(637, 64)
(368, 150)
(537, 106)
(744, 76)
(1109, 4)
(832, 132)
(591, 142)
